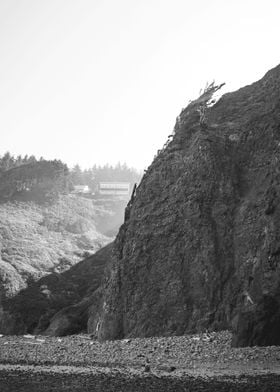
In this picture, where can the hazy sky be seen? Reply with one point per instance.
(96, 81)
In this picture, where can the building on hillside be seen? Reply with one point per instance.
(81, 189)
(114, 188)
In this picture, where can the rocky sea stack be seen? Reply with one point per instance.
(200, 246)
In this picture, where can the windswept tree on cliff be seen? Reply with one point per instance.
(206, 100)
(200, 105)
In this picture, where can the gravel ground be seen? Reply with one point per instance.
(204, 362)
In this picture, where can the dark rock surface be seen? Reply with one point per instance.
(199, 248)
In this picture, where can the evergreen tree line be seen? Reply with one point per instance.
(41, 179)
(76, 176)
(8, 161)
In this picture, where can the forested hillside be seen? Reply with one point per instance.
(44, 227)
(43, 178)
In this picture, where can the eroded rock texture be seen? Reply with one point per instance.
(200, 247)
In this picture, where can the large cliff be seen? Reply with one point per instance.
(200, 246)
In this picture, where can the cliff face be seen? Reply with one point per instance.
(200, 247)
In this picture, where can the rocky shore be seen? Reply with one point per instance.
(201, 362)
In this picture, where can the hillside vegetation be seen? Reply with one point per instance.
(67, 294)
(44, 231)
(39, 239)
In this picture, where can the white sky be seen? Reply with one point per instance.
(96, 81)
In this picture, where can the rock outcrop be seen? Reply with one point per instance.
(200, 247)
